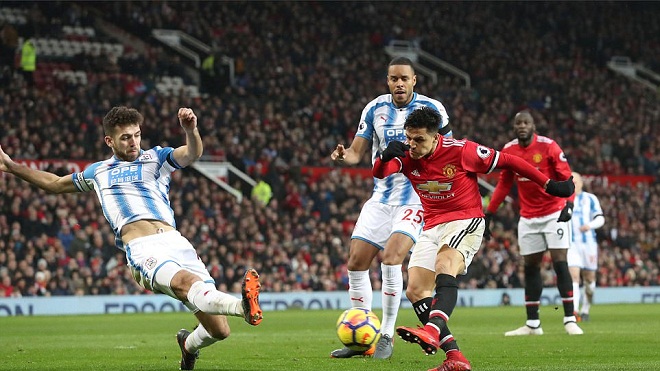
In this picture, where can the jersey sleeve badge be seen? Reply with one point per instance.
(484, 152)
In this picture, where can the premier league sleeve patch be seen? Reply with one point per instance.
(484, 152)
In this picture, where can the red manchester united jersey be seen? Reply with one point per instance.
(544, 154)
(446, 181)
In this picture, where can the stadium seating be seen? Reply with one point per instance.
(299, 82)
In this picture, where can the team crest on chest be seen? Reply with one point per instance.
(537, 158)
(449, 171)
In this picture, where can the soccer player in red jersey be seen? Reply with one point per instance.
(443, 172)
(543, 220)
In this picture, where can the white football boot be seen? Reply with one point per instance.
(573, 329)
(525, 330)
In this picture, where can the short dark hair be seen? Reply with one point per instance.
(424, 117)
(401, 61)
(121, 116)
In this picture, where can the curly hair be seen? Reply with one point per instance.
(121, 116)
(423, 117)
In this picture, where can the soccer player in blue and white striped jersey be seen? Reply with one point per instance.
(132, 187)
(582, 256)
(392, 218)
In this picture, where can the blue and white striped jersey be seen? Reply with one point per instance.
(131, 191)
(382, 122)
(586, 207)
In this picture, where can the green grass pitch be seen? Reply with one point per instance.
(618, 337)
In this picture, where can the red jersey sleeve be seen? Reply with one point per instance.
(383, 169)
(561, 168)
(502, 189)
(476, 158)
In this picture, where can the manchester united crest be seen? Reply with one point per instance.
(537, 158)
(449, 171)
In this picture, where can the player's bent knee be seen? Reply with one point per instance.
(415, 293)
(216, 325)
(221, 333)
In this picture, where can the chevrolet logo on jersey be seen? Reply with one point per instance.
(434, 187)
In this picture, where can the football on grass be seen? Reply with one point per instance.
(358, 328)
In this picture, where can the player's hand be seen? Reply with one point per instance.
(560, 189)
(187, 118)
(487, 219)
(394, 149)
(339, 153)
(566, 212)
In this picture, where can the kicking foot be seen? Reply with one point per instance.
(250, 292)
(419, 336)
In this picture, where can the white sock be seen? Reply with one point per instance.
(209, 300)
(198, 339)
(587, 303)
(392, 287)
(533, 323)
(359, 289)
(576, 296)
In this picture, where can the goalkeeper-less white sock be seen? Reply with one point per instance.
(198, 339)
(209, 300)
(359, 289)
(392, 287)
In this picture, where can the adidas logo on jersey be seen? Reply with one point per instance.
(415, 172)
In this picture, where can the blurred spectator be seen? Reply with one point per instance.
(28, 60)
(8, 45)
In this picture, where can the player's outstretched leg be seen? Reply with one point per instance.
(250, 292)
(420, 336)
(349, 353)
(187, 359)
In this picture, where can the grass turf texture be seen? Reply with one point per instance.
(618, 337)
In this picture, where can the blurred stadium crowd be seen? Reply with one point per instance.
(304, 71)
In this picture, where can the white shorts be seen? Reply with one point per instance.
(583, 255)
(155, 259)
(378, 221)
(463, 235)
(539, 234)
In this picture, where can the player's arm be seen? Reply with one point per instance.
(563, 188)
(562, 169)
(49, 182)
(597, 217)
(384, 169)
(502, 189)
(385, 165)
(192, 150)
(351, 155)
